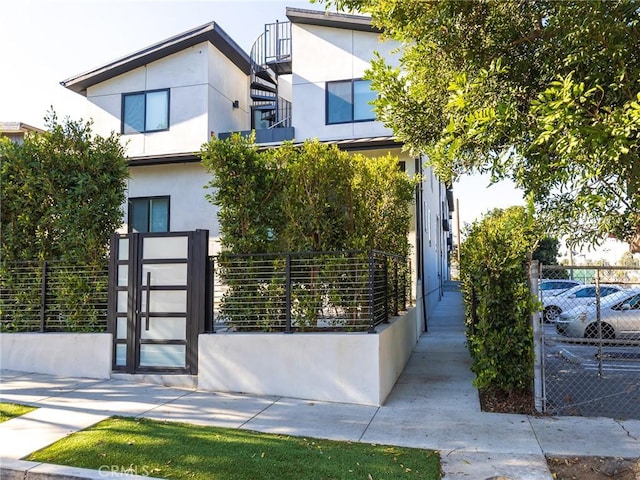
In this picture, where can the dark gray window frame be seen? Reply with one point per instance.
(156, 197)
(145, 92)
(352, 81)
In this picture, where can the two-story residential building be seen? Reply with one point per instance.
(303, 79)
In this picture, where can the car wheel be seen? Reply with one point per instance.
(608, 332)
(551, 313)
(591, 331)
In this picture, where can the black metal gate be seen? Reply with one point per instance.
(157, 301)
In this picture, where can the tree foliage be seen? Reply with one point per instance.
(317, 199)
(628, 260)
(61, 193)
(543, 92)
(246, 185)
(61, 196)
(309, 198)
(312, 197)
(494, 272)
(547, 251)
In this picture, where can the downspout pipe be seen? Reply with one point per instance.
(420, 211)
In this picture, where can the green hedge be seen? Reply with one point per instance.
(494, 267)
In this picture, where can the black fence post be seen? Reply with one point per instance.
(372, 315)
(211, 296)
(287, 290)
(386, 289)
(43, 299)
(396, 287)
(406, 274)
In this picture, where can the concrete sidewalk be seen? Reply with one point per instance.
(433, 405)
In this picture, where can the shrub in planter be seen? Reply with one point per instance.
(494, 268)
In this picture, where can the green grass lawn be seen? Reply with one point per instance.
(178, 450)
(11, 410)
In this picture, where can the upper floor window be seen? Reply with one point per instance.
(145, 111)
(149, 214)
(349, 101)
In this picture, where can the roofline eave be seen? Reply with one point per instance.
(210, 32)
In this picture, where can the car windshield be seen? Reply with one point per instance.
(615, 297)
(573, 290)
(556, 285)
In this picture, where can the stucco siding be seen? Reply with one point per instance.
(338, 55)
(184, 183)
(202, 83)
(226, 84)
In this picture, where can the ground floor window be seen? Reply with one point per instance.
(149, 214)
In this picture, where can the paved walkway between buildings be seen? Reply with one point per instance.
(433, 406)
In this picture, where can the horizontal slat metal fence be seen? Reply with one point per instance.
(53, 296)
(290, 292)
(590, 341)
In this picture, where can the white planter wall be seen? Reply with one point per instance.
(66, 354)
(337, 367)
(358, 368)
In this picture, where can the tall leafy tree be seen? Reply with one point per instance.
(317, 199)
(545, 92)
(312, 197)
(61, 193)
(382, 193)
(547, 251)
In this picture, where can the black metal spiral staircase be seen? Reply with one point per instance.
(271, 58)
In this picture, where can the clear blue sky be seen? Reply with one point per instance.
(45, 42)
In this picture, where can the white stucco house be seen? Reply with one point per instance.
(303, 79)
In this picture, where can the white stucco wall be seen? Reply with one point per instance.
(351, 367)
(185, 75)
(202, 85)
(184, 183)
(338, 54)
(434, 236)
(226, 83)
(66, 354)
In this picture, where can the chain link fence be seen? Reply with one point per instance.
(589, 331)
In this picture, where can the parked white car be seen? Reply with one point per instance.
(619, 318)
(574, 297)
